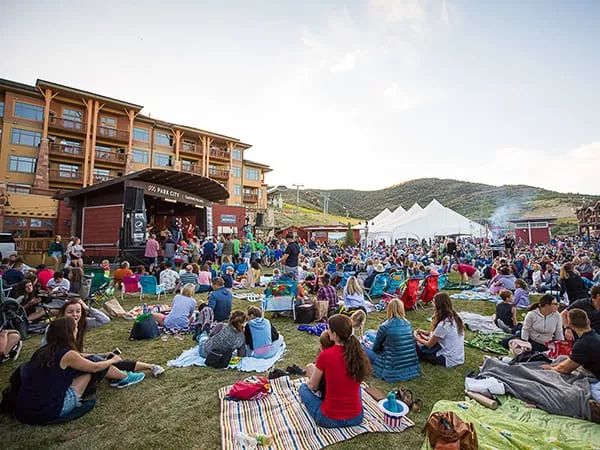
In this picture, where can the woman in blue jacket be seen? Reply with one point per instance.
(393, 353)
(262, 338)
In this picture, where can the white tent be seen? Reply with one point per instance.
(383, 231)
(436, 220)
(375, 220)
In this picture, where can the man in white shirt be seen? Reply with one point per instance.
(58, 284)
(169, 278)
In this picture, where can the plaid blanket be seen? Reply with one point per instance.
(282, 416)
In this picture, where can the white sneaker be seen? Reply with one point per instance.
(157, 370)
(485, 386)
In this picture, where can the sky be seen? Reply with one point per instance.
(343, 94)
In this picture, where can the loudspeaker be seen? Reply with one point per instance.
(260, 218)
(134, 199)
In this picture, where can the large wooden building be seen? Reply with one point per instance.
(588, 218)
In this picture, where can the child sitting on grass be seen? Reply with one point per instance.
(521, 297)
(506, 313)
(325, 342)
(359, 319)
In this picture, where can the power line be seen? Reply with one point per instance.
(297, 186)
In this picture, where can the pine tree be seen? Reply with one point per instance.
(349, 241)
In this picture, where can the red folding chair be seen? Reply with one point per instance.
(410, 294)
(431, 288)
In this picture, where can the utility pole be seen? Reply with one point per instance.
(325, 203)
(298, 186)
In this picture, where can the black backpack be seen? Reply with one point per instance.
(218, 360)
(144, 327)
(13, 317)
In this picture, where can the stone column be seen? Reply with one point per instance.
(40, 180)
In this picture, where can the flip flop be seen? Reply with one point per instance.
(417, 406)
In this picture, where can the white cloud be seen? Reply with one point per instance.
(345, 64)
(444, 13)
(403, 99)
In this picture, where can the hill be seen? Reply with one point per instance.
(306, 216)
(473, 200)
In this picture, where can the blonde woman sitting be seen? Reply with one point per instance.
(354, 296)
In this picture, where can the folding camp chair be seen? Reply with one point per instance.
(130, 285)
(331, 268)
(281, 297)
(149, 285)
(377, 289)
(442, 281)
(430, 288)
(241, 269)
(395, 282)
(410, 294)
(345, 277)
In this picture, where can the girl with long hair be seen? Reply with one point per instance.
(445, 344)
(57, 376)
(344, 366)
(354, 297)
(571, 283)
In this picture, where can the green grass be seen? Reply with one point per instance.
(181, 409)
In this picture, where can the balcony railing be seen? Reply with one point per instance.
(73, 126)
(75, 151)
(250, 198)
(220, 174)
(113, 134)
(110, 157)
(189, 147)
(192, 168)
(219, 153)
(66, 176)
(103, 178)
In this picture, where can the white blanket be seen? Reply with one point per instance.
(191, 357)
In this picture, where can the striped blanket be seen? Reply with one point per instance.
(282, 416)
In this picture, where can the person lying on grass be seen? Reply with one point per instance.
(445, 344)
(182, 310)
(78, 310)
(57, 376)
(344, 366)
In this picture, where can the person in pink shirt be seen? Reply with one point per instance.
(204, 279)
(468, 274)
(44, 274)
(152, 249)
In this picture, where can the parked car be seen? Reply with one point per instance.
(7, 245)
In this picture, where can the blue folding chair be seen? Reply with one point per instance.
(241, 269)
(331, 268)
(149, 285)
(395, 282)
(377, 289)
(345, 277)
(442, 281)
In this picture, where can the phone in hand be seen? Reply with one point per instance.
(116, 351)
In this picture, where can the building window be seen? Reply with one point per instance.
(101, 175)
(141, 134)
(162, 160)
(253, 174)
(72, 114)
(139, 156)
(25, 137)
(68, 170)
(237, 190)
(1, 109)
(236, 153)
(19, 188)
(29, 112)
(236, 172)
(108, 122)
(163, 139)
(23, 164)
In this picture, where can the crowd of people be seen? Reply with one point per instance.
(565, 272)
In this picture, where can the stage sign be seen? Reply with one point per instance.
(228, 218)
(138, 225)
(168, 193)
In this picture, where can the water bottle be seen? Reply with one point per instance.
(243, 440)
(145, 309)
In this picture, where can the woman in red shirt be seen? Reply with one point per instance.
(344, 365)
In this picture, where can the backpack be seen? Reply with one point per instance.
(13, 317)
(218, 360)
(144, 327)
(447, 431)
(530, 356)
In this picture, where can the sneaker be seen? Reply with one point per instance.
(157, 370)
(16, 351)
(115, 383)
(130, 379)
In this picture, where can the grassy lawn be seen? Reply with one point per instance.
(181, 409)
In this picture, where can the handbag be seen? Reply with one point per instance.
(447, 431)
(113, 308)
(251, 388)
(218, 360)
(144, 327)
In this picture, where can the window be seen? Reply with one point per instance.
(29, 112)
(68, 171)
(253, 174)
(1, 109)
(23, 164)
(236, 153)
(72, 114)
(101, 175)
(163, 139)
(236, 172)
(141, 134)
(139, 156)
(108, 122)
(19, 188)
(160, 159)
(237, 189)
(25, 137)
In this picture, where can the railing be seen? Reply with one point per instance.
(110, 156)
(192, 168)
(219, 153)
(32, 245)
(222, 174)
(252, 198)
(61, 123)
(113, 133)
(103, 178)
(66, 176)
(190, 148)
(66, 150)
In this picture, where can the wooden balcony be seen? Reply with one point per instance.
(218, 174)
(192, 168)
(67, 150)
(218, 153)
(65, 176)
(68, 125)
(250, 198)
(112, 134)
(188, 147)
(103, 178)
(110, 157)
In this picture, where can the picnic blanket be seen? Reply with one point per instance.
(515, 426)
(191, 357)
(477, 322)
(282, 416)
(473, 295)
(488, 342)
(316, 329)
(566, 395)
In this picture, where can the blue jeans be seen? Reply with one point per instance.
(201, 339)
(203, 288)
(371, 354)
(313, 405)
(430, 354)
